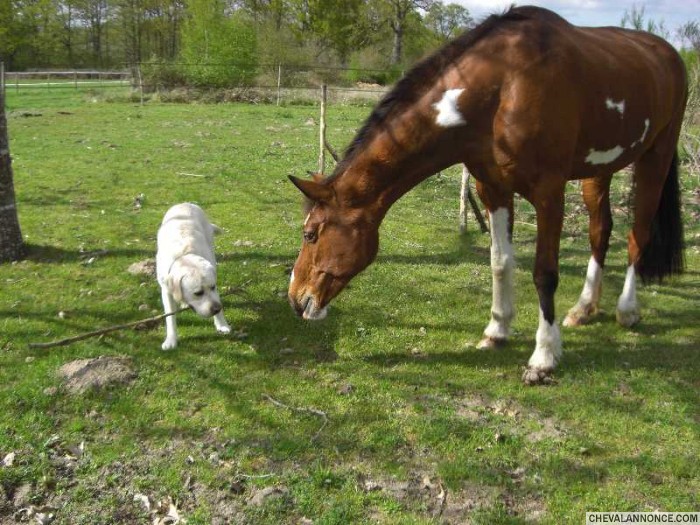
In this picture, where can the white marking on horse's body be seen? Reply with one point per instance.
(627, 308)
(291, 278)
(502, 266)
(617, 106)
(644, 133)
(448, 113)
(548, 346)
(587, 303)
(307, 219)
(604, 157)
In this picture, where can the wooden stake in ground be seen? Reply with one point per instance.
(11, 243)
(467, 195)
(322, 131)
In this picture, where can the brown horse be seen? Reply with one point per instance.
(527, 102)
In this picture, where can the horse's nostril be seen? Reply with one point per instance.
(296, 306)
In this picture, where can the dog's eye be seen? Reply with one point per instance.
(310, 236)
(199, 293)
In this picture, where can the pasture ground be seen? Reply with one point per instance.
(421, 426)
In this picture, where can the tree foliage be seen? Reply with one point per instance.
(383, 35)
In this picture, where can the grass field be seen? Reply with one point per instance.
(383, 413)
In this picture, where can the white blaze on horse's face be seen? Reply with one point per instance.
(449, 115)
(604, 157)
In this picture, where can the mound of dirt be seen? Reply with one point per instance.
(85, 374)
(145, 267)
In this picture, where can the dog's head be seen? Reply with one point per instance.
(192, 281)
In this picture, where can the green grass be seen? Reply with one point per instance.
(413, 408)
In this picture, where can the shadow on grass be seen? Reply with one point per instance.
(55, 254)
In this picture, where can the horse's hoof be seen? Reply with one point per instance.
(579, 316)
(490, 342)
(537, 376)
(573, 319)
(628, 319)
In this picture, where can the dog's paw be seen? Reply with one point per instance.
(169, 344)
(223, 329)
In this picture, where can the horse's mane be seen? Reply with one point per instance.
(421, 78)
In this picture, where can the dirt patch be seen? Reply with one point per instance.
(86, 374)
(145, 267)
(478, 408)
(429, 495)
(550, 428)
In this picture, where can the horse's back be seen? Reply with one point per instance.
(587, 99)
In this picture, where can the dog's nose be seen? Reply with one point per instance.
(215, 308)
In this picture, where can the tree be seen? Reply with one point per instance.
(336, 24)
(397, 14)
(635, 18)
(447, 21)
(11, 244)
(219, 48)
(93, 15)
(690, 33)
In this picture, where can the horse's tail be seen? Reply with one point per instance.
(663, 255)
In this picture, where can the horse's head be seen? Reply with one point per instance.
(339, 242)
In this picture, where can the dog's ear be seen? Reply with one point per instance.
(215, 229)
(174, 281)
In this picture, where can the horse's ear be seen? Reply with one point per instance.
(313, 189)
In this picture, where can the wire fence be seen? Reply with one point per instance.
(288, 84)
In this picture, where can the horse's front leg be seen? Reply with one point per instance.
(500, 208)
(550, 213)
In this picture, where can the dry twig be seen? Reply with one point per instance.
(303, 410)
(109, 329)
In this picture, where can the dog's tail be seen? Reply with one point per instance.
(216, 230)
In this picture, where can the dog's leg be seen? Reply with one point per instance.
(169, 306)
(221, 325)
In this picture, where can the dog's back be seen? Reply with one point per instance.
(185, 230)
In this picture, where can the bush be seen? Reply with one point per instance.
(157, 75)
(218, 51)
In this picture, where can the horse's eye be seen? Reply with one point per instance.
(310, 236)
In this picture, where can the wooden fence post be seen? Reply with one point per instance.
(138, 70)
(322, 131)
(467, 195)
(279, 82)
(463, 200)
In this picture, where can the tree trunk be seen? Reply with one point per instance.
(11, 245)
(397, 26)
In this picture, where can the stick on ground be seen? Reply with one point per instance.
(109, 329)
(314, 411)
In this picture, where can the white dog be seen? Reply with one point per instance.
(186, 267)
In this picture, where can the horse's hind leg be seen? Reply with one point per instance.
(655, 243)
(500, 208)
(596, 196)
